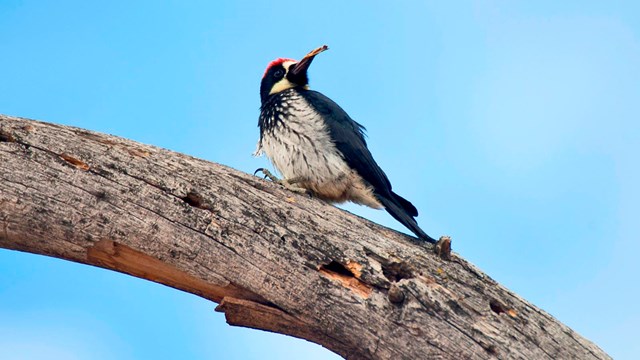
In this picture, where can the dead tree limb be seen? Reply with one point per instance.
(273, 260)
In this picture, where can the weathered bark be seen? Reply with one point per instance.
(273, 260)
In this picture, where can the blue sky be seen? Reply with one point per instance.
(511, 126)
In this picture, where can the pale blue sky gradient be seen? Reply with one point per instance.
(511, 126)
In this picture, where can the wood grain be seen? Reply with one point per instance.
(274, 260)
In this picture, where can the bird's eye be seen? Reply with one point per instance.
(278, 73)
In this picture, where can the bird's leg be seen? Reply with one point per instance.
(288, 184)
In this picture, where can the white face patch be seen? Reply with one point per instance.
(284, 83)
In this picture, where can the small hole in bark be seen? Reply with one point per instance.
(101, 195)
(499, 308)
(346, 277)
(491, 349)
(397, 271)
(6, 137)
(337, 268)
(194, 199)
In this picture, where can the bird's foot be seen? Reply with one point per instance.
(288, 184)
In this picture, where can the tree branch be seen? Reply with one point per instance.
(273, 260)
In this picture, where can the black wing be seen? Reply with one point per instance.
(348, 137)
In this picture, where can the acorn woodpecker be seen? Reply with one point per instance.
(318, 148)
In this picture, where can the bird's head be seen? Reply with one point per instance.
(283, 74)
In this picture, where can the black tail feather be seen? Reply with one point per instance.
(402, 210)
(405, 204)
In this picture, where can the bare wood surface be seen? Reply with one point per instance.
(273, 260)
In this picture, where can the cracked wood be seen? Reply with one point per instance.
(273, 260)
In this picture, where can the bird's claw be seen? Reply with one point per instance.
(267, 174)
(287, 184)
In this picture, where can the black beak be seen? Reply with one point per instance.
(298, 71)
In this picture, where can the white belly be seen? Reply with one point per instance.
(300, 147)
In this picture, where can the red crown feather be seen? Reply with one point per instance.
(275, 62)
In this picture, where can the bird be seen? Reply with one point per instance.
(318, 148)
